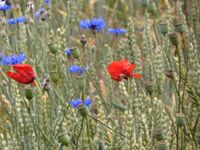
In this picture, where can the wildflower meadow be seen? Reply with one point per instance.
(99, 74)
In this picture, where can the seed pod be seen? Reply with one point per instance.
(75, 52)
(54, 77)
(144, 3)
(149, 87)
(180, 119)
(81, 82)
(152, 8)
(53, 47)
(162, 145)
(163, 28)
(157, 134)
(101, 146)
(180, 28)
(64, 139)
(29, 93)
(178, 25)
(173, 37)
(83, 110)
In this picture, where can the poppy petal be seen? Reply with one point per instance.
(23, 67)
(136, 75)
(125, 62)
(24, 74)
(12, 75)
(131, 68)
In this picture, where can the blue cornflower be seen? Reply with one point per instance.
(16, 20)
(4, 6)
(117, 31)
(76, 69)
(12, 59)
(77, 102)
(68, 51)
(95, 24)
(47, 2)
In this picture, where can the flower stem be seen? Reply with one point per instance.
(96, 86)
(82, 122)
(105, 125)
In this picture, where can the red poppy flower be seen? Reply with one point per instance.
(119, 70)
(23, 74)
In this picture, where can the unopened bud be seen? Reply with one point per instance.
(101, 146)
(179, 26)
(173, 37)
(163, 27)
(158, 134)
(144, 3)
(149, 87)
(53, 47)
(162, 145)
(180, 119)
(64, 139)
(75, 52)
(83, 110)
(29, 93)
(81, 82)
(54, 77)
(152, 8)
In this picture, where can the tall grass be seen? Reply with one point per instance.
(159, 111)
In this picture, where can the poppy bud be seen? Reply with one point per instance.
(178, 25)
(157, 134)
(163, 28)
(75, 52)
(83, 39)
(53, 47)
(54, 77)
(144, 3)
(180, 28)
(81, 82)
(197, 136)
(29, 93)
(83, 110)
(101, 146)
(180, 119)
(149, 87)
(152, 8)
(119, 106)
(162, 145)
(173, 37)
(63, 139)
